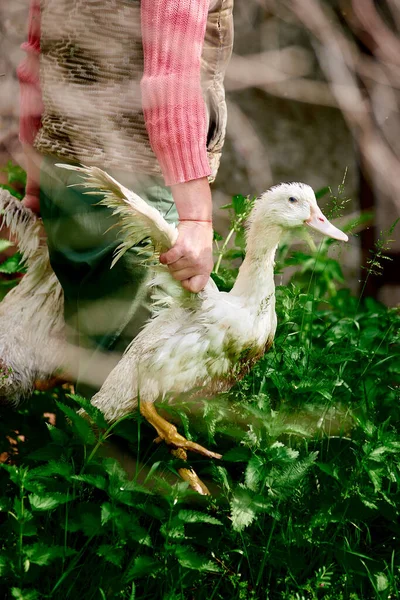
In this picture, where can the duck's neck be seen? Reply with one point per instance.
(256, 275)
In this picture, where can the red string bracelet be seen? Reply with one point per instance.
(197, 220)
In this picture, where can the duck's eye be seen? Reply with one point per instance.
(292, 199)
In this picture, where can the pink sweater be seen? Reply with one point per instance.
(173, 33)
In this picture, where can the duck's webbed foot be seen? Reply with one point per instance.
(190, 475)
(169, 433)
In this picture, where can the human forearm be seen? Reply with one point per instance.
(31, 105)
(193, 200)
(190, 260)
(173, 35)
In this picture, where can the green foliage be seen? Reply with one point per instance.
(12, 265)
(16, 177)
(304, 504)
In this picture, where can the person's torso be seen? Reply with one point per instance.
(91, 67)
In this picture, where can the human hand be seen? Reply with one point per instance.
(33, 161)
(32, 201)
(190, 261)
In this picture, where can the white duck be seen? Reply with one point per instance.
(31, 314)
(206, 341)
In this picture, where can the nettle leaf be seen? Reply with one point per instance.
(16, 174)
(137, 533)
(12, 264)
(378, 454)
(254, 473)
(57, 435)
(97, 481)
(283, 453)
(21, 511)
(239, 204)
(191, 560)
(125, 522)
(117, 474)
(142, 567)
(367, 502)
(194, 516)
(79, 424)
(240, 241)
(292, 475)
(376, 477)
(4, 565)
(19, 594)
(173, 530)
(111, 554)
(221, 474)
(243, 510)
(94, 413)
(59, 468)
(41, 554)
(48, 502)
(108, 512)
(25, 517)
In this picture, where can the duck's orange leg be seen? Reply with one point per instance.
(169, 433)
(190, 475)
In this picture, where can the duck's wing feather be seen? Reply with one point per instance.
(138, 221)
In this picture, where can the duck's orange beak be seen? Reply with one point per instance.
(319, 222)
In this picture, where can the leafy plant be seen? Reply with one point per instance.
(16, 178)
(304, 502)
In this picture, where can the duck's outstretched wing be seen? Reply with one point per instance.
(139, 222)
(142, 224)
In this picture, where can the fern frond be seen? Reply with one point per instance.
(138, 221)
(291, 477)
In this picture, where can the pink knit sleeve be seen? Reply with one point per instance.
(173, 34)
(31, 106)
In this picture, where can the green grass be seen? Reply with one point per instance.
(305, 502)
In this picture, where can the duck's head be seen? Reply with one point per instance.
(291, 205)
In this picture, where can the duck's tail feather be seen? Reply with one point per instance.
(139, 222)
(22, 223)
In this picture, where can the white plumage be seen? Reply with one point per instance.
(204, 341)
(31, 314)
